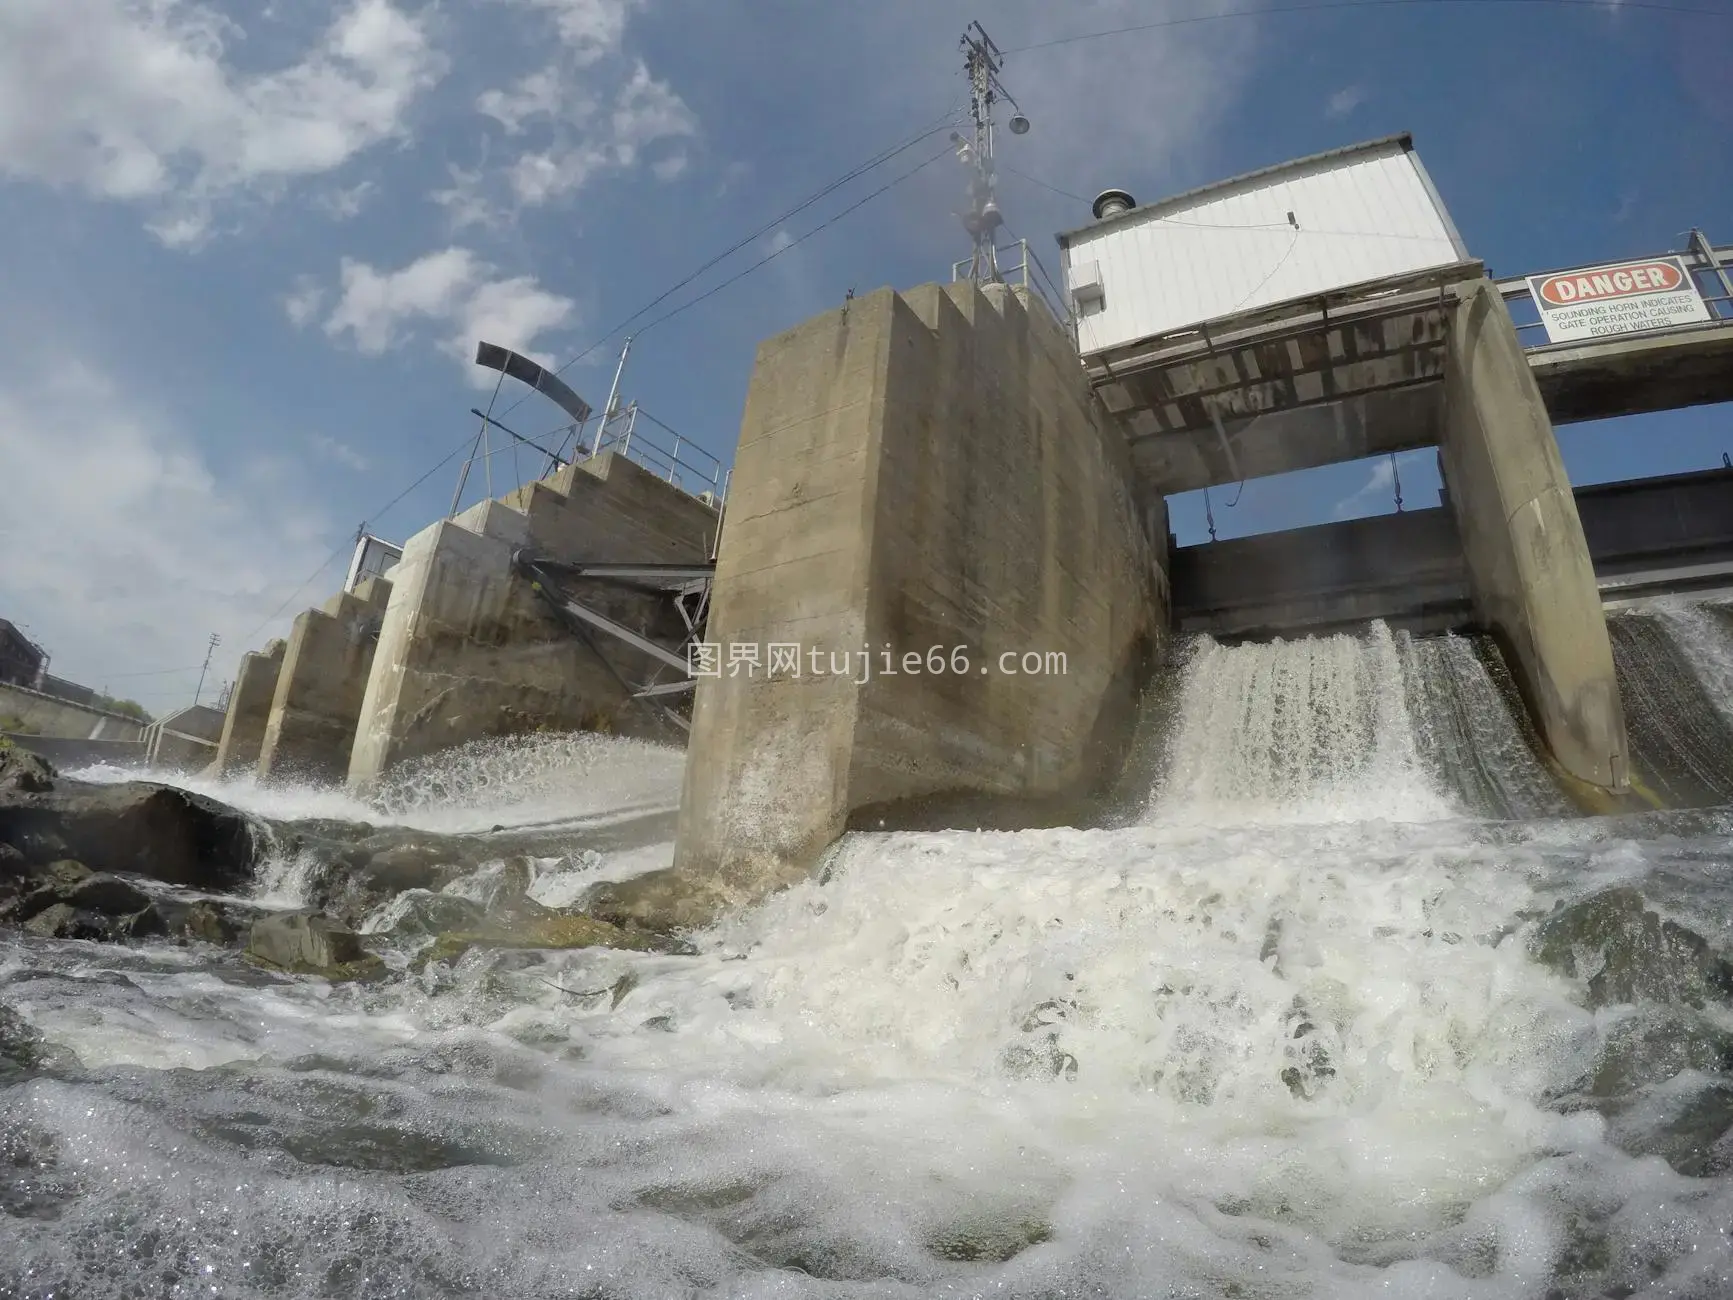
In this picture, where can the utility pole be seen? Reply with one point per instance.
(613, 397)
(982, 62)
(210, 650)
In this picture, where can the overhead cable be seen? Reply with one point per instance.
(878, 159)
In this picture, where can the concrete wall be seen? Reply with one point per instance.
(185, 740)
(316, 704)
(914, 471)
(48, 715)
(1672, 519)
(1528, 563)
(467, 650)
(249, 710)
(1408, 568)
(1405, 568)
(67, 754)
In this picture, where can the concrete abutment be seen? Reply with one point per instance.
(917, 473)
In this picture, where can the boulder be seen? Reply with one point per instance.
(553, 931)
(22, 772)
(1625, 952)
(138, 827)
(306, 943)
(64, 921)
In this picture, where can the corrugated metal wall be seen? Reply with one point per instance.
(1361, 217)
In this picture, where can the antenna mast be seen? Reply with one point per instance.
(982, 62)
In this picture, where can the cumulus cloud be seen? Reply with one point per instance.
(589, 29)
(138, 102)
(156, 549)
(589, 111)
(462, 297)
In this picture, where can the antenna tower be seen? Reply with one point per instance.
(982, 62)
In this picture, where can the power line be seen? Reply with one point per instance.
(157, 672)
(793, 243)
(883, 156)
(345, 545)
(1317, 6)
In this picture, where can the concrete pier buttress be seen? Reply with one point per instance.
(324, 675)
(468, 650)
(1529, 570)
(924, 473)
(249, 710)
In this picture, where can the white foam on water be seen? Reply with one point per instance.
(536, 780)
(1283, 1039)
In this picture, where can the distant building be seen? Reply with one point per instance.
(61, 689)
(21, 659)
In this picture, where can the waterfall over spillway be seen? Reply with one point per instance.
(1348, 728)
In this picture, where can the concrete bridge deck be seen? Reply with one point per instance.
(1358, 373)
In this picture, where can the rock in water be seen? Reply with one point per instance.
(305, 942)
(23, 772)
(1626, 953)
(150, 830)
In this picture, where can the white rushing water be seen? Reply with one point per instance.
(1281, 1038)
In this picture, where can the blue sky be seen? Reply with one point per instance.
(250, 245)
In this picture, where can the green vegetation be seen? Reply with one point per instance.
(15, 724)
(131, 708)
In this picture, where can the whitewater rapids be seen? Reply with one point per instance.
(1282, 1034)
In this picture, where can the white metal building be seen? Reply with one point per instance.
(1350, 216)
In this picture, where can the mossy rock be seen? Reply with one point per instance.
(555, 932)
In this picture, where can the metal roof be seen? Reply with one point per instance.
(1143, 211)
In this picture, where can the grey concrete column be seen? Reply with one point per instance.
(1529, 569)
(318, 698)
(249, 710)
(920, 475)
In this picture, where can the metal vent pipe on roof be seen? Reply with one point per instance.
(1110, 203)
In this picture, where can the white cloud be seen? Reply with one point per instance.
(1344, 102)
(155, 550)
(577, 122)
(463, 297)
(329, 448)
(540, 94)
(590, 29)
(1378, 494)
(133, 100)
(302, 303)
(343, 204)
(466, 200)
(645, 111)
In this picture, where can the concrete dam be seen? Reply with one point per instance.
(941, 572)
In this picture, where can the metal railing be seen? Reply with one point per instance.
(1029, 274)
(680, 461)
(1711, 270)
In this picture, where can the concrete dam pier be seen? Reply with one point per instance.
(459, 644)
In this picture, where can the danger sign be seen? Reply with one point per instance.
(1623, 298)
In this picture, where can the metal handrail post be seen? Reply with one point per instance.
(631, 425)
(1702, 248)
